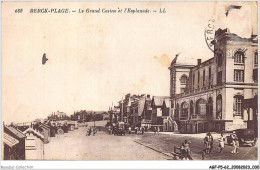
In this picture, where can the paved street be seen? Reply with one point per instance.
(165, 142)
(75, 145)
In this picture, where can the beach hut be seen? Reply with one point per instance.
(45, 131)
(19, 149)
(10, 145)
(34, 145)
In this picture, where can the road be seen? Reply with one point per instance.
(75, 145)
(165, 142)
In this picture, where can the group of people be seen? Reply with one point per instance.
(185, 152)
(156, 130)
(141, 130)
(91, 130)
(208, 143)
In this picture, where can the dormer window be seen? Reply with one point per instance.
(239, 57)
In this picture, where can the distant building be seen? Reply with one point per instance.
(162, 113)
(214, 95)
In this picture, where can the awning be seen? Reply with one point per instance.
(9, 140)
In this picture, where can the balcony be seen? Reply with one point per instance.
(205, 117)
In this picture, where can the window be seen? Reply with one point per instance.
(220, 59)
(193, 80)
(238, 105)
(183, 90)
(255, 77)
(239, 57)
(256, 59)
(198, 79)
(210, 107)
(191, 108)
(219, 107)
(203, 77)
(184, 109)
(201, 107)
(239, 75)
(183, 79)
(209, 76)
(219, 78)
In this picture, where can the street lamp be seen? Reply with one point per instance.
(94, 119)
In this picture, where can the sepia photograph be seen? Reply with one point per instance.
(144, 81)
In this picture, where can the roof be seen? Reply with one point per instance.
(167, 103)
(30, 130)
(184, 59)
(44, 126)
(158, 100)
(9, 140)
(141, 103)
(15, 132)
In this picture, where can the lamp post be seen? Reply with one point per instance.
(94, 119)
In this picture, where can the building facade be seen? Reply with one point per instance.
(211, 95)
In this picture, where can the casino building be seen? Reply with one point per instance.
(220, 93)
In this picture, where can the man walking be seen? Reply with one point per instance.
(210, 139)
(142, 130)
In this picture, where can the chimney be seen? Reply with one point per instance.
(199, 61)
(148, 96)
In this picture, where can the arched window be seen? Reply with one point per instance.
(219, 107)
(183, 79)
(184, 109)
(201, 107)
(238, 99)
(239, 57)
(191, 108)
(210, 106)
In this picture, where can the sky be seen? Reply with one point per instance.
(95, 59)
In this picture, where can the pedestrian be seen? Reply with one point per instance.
(158, 130)
(187, 149)
(87, 134)
(94, 131)
(154, 128)
(183, 154)
(129, 130)
(206, 144)
(235, 143)
(142, 130)
(210, 138)
(90, 131)
(136, 130)
(221, 143)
